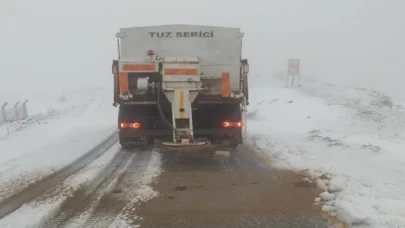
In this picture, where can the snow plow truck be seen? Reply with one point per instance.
(180, 86)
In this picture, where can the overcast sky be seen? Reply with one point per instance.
(68, 44)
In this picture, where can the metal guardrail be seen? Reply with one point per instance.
(17, 112)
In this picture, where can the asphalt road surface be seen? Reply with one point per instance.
(229, 191)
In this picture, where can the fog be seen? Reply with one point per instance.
(59, 45)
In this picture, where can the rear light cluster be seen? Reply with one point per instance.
(130, 125)
(231, 124)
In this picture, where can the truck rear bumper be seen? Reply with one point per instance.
(216, 136)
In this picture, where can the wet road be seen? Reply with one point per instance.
(237, 191)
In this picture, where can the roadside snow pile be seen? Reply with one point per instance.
(63, 128)
(349, 141)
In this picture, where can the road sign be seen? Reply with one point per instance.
(294, 67)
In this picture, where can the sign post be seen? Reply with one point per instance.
(294, 70)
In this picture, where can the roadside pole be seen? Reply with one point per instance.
(293, 69)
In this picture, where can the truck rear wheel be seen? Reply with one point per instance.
(219, 123)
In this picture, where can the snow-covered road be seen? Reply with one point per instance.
(67, 152)
(105, 188)
(353, 136)
(100, 195)
(349, 142)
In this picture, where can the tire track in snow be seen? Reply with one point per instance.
(15, 201)
(111, 205)
(83, 199)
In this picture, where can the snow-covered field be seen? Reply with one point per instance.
(59, 130)
(349, 141)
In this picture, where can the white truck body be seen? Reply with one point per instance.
(218, 49)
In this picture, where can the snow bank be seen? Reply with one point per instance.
(350, 139)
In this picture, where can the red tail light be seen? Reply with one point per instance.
(130, 125)
(231, 124)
